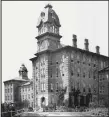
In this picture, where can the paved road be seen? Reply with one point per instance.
(48, 114)
(54, 114)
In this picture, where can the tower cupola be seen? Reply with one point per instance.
(23, 72)
(48, 30)
(48, 21)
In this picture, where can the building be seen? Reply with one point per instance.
(103, 86)
(14, 88)
(57, 67)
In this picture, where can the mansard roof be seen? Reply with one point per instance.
(23, 68)
(28, 83)
(48, 15)
(16, 79)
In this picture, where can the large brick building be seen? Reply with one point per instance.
(58, 67)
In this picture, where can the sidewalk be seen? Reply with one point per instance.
(67, 114)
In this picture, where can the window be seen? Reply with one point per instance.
(102, 89)
(51, 73)
(83, 89)
(32, 104)
(84, 75)
(36, 89)
(72, 55)
(11, 90)
(78, 62)
(77, 56)
(36, 68)
(72, 61)
(8, 90)
(101, 64)
(56, 62)
(11, 97)
(32, 87)
(103, 78)
(94, 90)
(42, 86)
(56, 86)
(51, 63)
(23, 97)
(94, 77)
(31, 95)
(71, 73)
(51, 87)
(89, 74)
(94, 65)
(107, 76)
(57, 72)
(78, 74)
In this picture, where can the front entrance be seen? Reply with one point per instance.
(42, 101)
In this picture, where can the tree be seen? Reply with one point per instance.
(61, 94)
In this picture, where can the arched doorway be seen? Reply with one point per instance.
(42, 101)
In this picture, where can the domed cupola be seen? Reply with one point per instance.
(48, 21)
(48, 29)
(23, 72)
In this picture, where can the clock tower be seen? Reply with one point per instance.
(48, 30)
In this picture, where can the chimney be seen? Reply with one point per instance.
(97, 49)
(74, 41)
(86, 44)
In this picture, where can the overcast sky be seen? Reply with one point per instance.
(86, 19)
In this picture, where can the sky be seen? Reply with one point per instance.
(86, 19)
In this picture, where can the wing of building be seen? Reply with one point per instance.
(19, 89)
(103, 84)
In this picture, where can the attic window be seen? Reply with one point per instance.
(42, 14)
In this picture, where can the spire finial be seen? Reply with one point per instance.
(48, 5)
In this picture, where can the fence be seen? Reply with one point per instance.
(11, 113)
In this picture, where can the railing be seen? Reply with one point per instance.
(11, 113)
